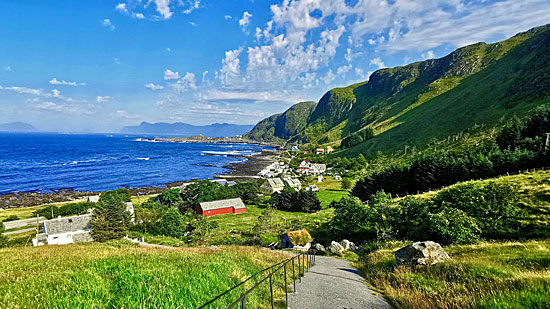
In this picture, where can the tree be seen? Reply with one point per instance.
(171, 223)
(351, 220)
(203, 191)
(170, 198)
(110, 219)
(292, 200)
(347, 184)
(247, 191)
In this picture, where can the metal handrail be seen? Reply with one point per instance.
(305, 261)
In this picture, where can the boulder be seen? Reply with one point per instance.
(421, 253)
(336, 248)
(346, 244)
(319, 248)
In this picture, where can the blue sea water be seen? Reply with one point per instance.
(99, 162)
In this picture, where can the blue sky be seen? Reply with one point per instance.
(100, 65)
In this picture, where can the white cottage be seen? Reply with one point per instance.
(63, 231)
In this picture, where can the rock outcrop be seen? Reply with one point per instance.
(421, 253)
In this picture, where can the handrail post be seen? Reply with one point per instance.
(293, 276)
(271, 290)
(299, 270)
(286, 290)
(243, 300)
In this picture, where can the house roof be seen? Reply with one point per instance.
(67, 224)
(276, 182)
(293, 182)
(236, 203)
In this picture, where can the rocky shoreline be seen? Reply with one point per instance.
(242, 171)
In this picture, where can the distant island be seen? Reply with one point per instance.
(184, 129)
(17, 127)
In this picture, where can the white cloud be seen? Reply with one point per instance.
(227, 17)
(122, 7)
(329, 77)
(122, 114)
(24, 90)
(154, 87)
(139, 15)
(168, 49)
(231, 68)
(102, 99)
(163, 7)
(107, 23)
(54, 81)
(378, 62)
(243, 22)
(171, 75)
(193, 5)
(8, 68)
(192, 24)
(69, 109)
(428, 55)
(186, 83)
(343, 69)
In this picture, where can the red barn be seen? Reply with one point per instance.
(220, 207)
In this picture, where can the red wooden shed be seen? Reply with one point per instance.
(220, 207)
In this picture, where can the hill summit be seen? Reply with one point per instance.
(411, 105)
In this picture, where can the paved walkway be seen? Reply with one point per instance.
(333, 283)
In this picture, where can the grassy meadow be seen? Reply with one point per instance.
(122, 275)
(484, 275)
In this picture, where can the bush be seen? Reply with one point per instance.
(292, 200)
(352, 140)
(71, 209)
(351, 220)
(247, 191)
(170, 198)
(11, 218)
(3, 239)
(268, 238)
(110, 220)
(452, 226)
(493, 205)
(171, 223)
(203, 191)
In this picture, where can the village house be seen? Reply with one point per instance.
(312, 188)
(220, 207)
(63, 231)
(320, 151)
(93, 199)
(272, 185)
(293, 183)
(311, 168)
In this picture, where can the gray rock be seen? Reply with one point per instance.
(346, 244)
(421, 253)
(336, 248)
(319, 248)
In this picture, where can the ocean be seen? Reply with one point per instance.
(100, 162)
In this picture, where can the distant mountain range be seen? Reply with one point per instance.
(17, 127)
(184, 129)
(480, 84)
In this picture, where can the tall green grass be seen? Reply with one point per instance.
(121, 275)
(486, 275)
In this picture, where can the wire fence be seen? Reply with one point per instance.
(296, 267)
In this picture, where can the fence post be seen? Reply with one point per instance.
(271, 290)
(286, 288)
(293, 276)
(243, 300)
(299, 270)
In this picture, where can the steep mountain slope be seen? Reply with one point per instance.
(280, 127)
(411, 105)
(184, 129)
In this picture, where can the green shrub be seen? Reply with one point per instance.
(268, 238)
(71, 209)
(171, 223)
(493, 205)
(452, 226)
(351, 220)
(11, 218)
(170, 198)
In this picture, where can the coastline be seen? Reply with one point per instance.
(241, 171)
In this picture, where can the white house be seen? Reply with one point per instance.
(63, 231)
(93, 199)
(312, 188)
(293, 183)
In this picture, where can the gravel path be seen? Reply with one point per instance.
(333, 283)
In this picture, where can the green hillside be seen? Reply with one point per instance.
(280, 127)
(478, 84)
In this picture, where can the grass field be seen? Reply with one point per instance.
(122, 275)
(534, 195)
(485, 275)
